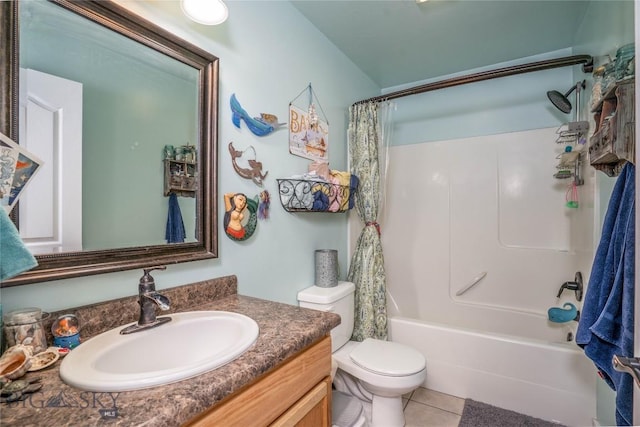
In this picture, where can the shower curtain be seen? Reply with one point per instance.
(368, 139)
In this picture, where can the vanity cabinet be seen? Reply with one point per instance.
(297, 393)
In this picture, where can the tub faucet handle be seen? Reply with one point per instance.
(575, 286)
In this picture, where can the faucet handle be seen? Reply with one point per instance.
(146, 281)
(564, 286)
(576, 286)
(150, 269)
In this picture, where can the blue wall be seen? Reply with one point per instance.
(509, 104)
(268, 54)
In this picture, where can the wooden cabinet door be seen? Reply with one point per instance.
(313, 410)
(301, 383)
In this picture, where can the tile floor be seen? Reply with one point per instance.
(428, 408)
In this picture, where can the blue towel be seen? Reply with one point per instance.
(15, 258)
(175, 232)
(320, 201)
(606, 324)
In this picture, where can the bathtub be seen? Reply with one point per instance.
(544, 377)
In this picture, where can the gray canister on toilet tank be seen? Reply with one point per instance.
(326, 264)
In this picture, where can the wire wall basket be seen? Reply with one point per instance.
(297, 195)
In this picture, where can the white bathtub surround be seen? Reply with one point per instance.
(483, 204)
(490, 204)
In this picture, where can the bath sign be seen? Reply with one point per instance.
(308, 132)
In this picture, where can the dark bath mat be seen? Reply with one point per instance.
(478, 414)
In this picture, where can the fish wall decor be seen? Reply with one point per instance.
(259, 126)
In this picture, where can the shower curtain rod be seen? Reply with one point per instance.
(586, 60)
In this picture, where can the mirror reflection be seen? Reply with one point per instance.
(98, 108)
(100, 95)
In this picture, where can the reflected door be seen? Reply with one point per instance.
(51, 128)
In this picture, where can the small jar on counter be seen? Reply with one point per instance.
(25, 326)
(66, 331)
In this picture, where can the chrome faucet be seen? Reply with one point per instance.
(149, 298)
(576, 286)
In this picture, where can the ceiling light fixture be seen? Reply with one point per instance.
(421, 1)
(206, 12)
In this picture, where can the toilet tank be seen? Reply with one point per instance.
(339, 300)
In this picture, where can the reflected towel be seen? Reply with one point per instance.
(15, 258)
(606, 324)
(175, 227)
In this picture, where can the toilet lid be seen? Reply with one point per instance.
(387, 358)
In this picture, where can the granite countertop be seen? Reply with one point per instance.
(284, 331)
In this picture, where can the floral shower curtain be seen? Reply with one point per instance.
(368, 137)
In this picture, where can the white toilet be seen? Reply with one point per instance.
(376, 372)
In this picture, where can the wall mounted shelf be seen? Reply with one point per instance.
(613, 142)
(180, 177)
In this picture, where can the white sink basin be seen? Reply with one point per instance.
(190, 344)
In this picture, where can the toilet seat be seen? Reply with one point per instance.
(387, 358)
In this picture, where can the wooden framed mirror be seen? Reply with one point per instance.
(123, 197)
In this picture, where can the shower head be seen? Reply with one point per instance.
(561, 101)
